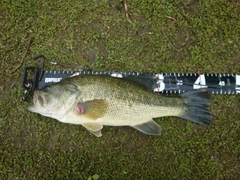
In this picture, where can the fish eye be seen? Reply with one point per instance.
(46, 88)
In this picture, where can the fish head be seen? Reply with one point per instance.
(55, 100)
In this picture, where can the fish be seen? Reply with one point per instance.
(94, 101)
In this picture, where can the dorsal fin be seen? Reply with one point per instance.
(146, 82)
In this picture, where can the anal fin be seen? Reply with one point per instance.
(149, 127)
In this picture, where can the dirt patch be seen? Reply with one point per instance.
(191, 6)
(236, 59)
(50, 144)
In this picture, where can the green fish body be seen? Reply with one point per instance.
(97, 100)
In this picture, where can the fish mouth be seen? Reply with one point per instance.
(39, 101)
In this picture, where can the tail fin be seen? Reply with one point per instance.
(197, 107)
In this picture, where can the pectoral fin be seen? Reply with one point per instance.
(150, 127)
(94, 128)
(93, 109)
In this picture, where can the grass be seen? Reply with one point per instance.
(165, 36)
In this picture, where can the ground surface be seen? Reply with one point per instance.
(163, 36)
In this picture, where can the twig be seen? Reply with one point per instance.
(126, 11)
(143, 33)
(169, 17)
(24, 55)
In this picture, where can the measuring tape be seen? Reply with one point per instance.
(165, 83)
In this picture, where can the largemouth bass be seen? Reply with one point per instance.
(97, 100)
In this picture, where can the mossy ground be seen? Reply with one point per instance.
(164, 36)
